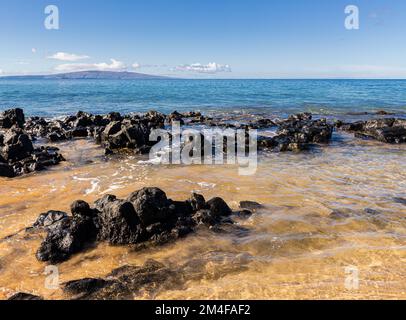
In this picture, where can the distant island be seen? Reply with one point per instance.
(102, 75)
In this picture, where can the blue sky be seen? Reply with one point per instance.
(206, 38)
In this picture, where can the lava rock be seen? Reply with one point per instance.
(22, 296)
(387, 130)
(119, 223)
(151, 205)
(219, 207)
(47, 219)
(297, 133)
(66, 235)
(146, 218)
(125, 282)
(6, 170)
(12, 117)
(81, 208)
(250, 205)
(197, 202)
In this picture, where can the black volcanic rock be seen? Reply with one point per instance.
(6, 170)
(18, 155)
(250, 205)
(66, 235)
(219, 207)
(146, 217)
(13, 117)
(151, 205)
(119, 223)
(125, 282)
(298, 133)
(22, 296)
(387, 130)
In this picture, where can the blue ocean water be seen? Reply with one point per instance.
(328, 97)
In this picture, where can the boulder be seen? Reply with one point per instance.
(197, 202)
(47, 219)
(297, 133)
(147, 217)
(12, 117)
(250, 205)
(6, 170)
(387, 130)
(22, 296)
(151, 205)
(66, 235)
(119, 223)
(81, 208)
(219, 207)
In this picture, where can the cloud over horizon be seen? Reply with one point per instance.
(115, 65)
(64, 56)
(210, 68)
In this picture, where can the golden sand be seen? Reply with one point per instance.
(294, 249)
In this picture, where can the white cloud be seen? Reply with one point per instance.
(113, 66)
(1, 72)
(34, 51)
(204, 68)
(136, 65)
(63, 56)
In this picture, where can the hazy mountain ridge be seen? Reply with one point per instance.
(103, 75)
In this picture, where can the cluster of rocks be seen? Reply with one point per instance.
(146, 217)
(113, 131)
(17, 153)
(387, 130)
(129, 282)
(298, 133)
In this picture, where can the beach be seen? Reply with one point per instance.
(325, 210)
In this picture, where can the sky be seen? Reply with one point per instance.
(206, 38)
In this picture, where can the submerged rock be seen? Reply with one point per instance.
(387, 130)
(250, 205)
(400, 200)
(125, 283)
(146, 217)
(129, 282)
(21, 296)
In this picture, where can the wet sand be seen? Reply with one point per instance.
(295, 248)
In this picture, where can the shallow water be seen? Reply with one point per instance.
(293, 248)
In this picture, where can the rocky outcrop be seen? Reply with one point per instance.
(12, 118)
(129, 282)
(125, 283)
(387, 130)
(298, 133)
(22, 296)
(18, 155)
(113, 131)
(146, 217)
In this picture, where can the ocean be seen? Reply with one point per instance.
(51, 98)
(337, 207)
